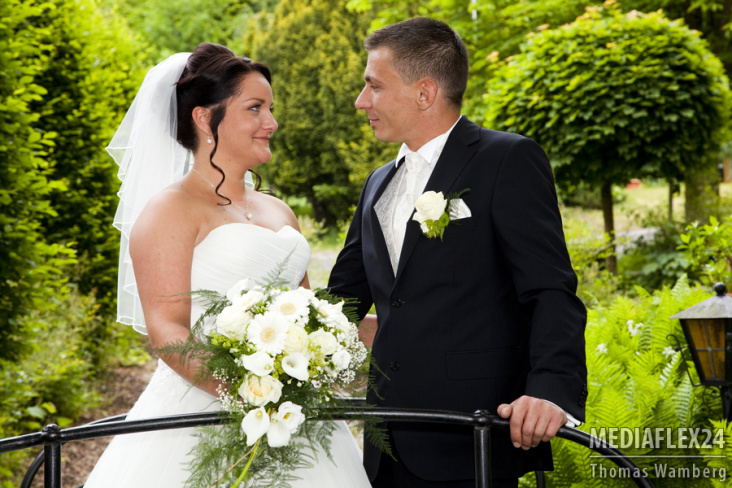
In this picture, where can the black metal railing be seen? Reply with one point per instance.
(52, 437)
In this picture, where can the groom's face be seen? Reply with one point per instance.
(388, 102)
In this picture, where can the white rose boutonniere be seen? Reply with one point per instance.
(433, 212)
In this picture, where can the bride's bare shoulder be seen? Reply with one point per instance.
(171, 213)
(280, 211)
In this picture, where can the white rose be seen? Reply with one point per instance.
(297, 339)
(259, 363)
(256, 423)
(296, 365)
(261, 391)
(327, 341)
(342, 359)
(430, 206)
(232, 322)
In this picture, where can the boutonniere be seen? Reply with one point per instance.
(434, 212)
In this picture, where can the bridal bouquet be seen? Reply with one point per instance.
(280, 354)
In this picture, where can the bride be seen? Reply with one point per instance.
(198, 124)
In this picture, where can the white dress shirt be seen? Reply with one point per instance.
(394, 223)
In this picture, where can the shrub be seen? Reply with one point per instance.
(588, 252)
(708, 247)
(655, 261)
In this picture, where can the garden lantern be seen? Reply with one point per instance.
(707, 327)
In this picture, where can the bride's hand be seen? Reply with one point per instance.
(367, 329)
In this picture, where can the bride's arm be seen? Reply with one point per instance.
(367, 329)
(161, 247)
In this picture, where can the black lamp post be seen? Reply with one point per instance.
(708, 330)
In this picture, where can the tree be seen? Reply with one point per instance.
(172, 26)
(614, 96)
(315, 51)
(90, 72)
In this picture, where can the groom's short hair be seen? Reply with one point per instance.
(423, 47)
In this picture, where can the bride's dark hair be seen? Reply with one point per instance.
(211, 77)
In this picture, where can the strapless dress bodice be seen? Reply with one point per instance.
(232, 252)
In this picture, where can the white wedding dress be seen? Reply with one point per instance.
(158, 459)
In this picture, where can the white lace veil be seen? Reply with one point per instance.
(149, 159)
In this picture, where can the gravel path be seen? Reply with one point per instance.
(121, 389)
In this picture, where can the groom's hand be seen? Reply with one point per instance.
(532, 420)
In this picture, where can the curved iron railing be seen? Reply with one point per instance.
(53, 437)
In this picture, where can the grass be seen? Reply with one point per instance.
(635, 204)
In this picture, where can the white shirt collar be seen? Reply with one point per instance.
(431, 150)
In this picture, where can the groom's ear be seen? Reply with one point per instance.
(201, 117)
(427, 93)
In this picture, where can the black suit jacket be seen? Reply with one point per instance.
(478, 319)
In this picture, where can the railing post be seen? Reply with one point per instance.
(52, 450)
(482, 433)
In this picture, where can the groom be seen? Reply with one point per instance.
(485, 317)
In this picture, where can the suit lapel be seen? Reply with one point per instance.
(457, 153)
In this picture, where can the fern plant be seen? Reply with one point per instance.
(638, 379)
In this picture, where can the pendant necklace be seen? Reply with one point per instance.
(244, 210)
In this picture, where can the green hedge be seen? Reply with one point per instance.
(91, 71)
(29, 266)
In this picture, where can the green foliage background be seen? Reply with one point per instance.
(29, 265)
(67, 74)
(611, 97)
(324, 149)
(69, 68)
(90, 73)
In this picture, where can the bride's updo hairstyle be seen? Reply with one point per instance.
(211, 77)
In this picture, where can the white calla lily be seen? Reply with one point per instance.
(296, 365)
(236, 291)
(259, 363)
(278, 434)
(256, 423)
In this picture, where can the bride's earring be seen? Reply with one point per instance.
(209, 140)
